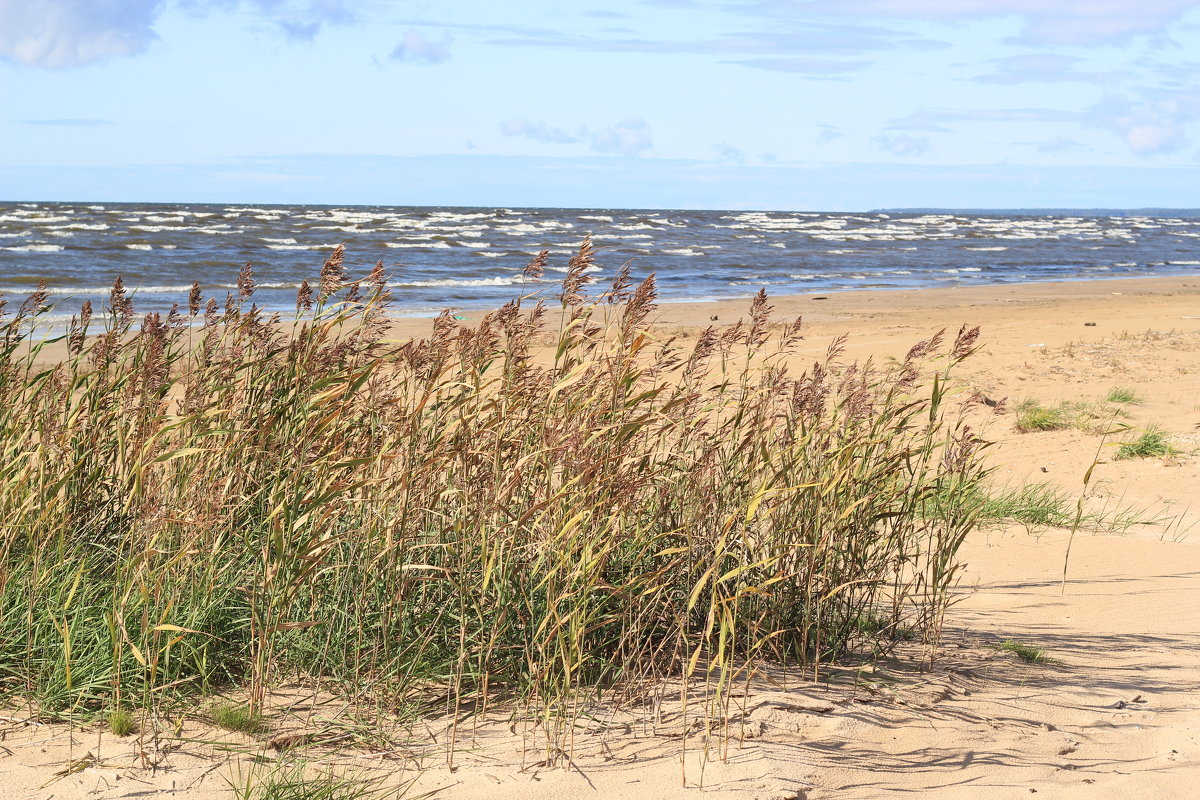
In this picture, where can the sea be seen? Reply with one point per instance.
(471, 258)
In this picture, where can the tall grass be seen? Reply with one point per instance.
(546, 505)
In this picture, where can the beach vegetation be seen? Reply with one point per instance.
(1026, 652)
(549, 505)
(1123, 395)
(292, 782)
(1152, 443)
(238, 718)
(120, 722)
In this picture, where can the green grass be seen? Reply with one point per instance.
(1033, 416)
(121, 723)
(215, 499)
(291, 783)
(1032, 505)
(1123, 395)
(1025, 652)
(238, 718)
(1152, 443)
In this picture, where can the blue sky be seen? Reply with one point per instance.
(771, 104)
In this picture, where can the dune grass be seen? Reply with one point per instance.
(1026, 652)
(1153, 442)
(217, 498)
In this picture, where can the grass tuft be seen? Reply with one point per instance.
(1025, 652)
(120, 722)
(238, 718)
(1153, 443)
(1123, 395)
(291, 783)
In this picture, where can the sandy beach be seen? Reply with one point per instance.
(1113, 710)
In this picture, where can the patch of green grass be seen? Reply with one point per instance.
(1033, 416)
(1025, 652)
(1089, 417)
(1153, 443)
(238, 718)
(1032, 505)
(291, 784)
(121, 722)
(1123, 395)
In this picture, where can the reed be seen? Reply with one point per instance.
(544, 508)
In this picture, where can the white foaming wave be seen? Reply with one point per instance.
(33, 220)
(684, 251)
(475, 245)
(596, 217)
(95, 208)
(1184, 263)
(782, 245)
(522, 228)
(587, 270)
(157, 228)
(217, 231)
(301, 246)
(15, 235)
(167, 247)
(139, 247)
(490, 254)
(448, 282)
(62, 234)
(637, 226)
(839, 252)
(426, 245)
(36, 248)
(987, 249)
(164, 218)
(1186, 233)
(83, 226)
(250, 210)
(456, 215)
(104, 290)
(288, 240)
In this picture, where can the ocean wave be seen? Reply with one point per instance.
(986, 249)
(35, 248)
(468, 282)
(139, 247)
(426, 245)
(301, 246)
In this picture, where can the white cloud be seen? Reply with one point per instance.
(629, 137)
(415, 48)
(62, 34)
(1045, 21)
(902, 145)
(1150, 126)
(538, 131)
(59, 34)
(728, 154)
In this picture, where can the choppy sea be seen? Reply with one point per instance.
(473, 257)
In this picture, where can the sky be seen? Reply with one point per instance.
(742, 104)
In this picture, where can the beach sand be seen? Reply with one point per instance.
(1114, 712)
